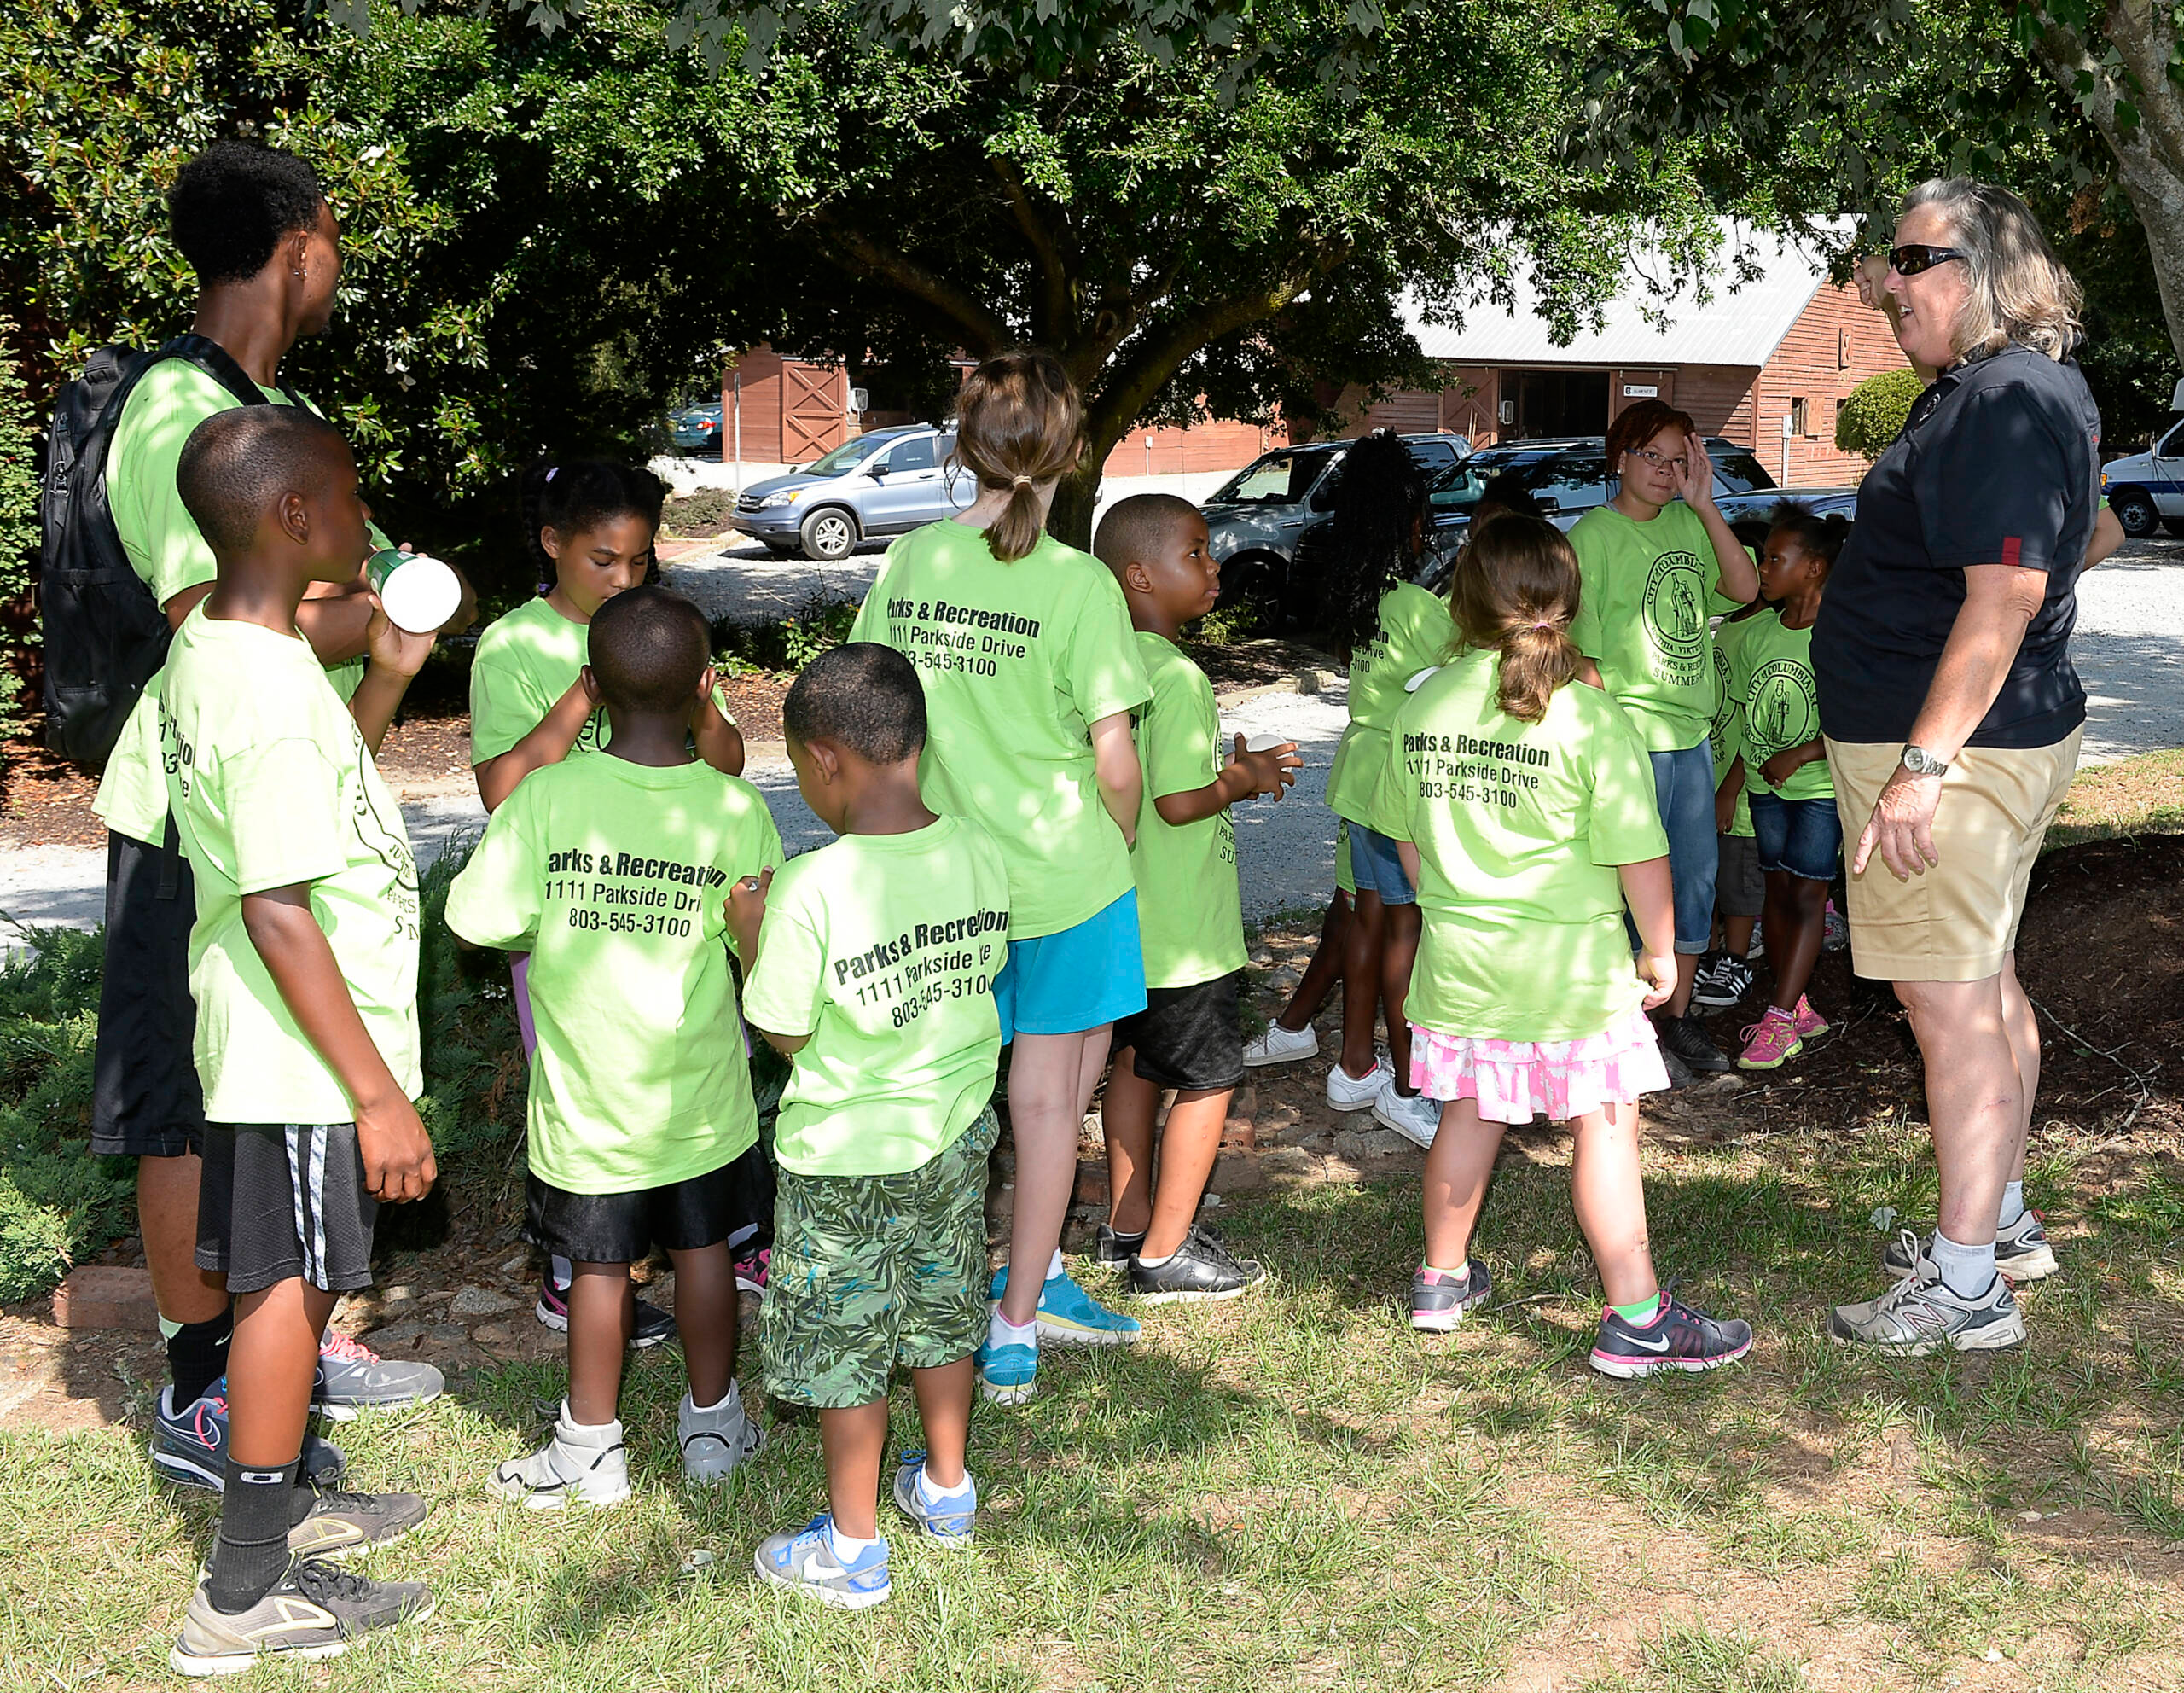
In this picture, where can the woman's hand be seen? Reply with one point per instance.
(1901, 826)
(1695, 481)
(1869, 277)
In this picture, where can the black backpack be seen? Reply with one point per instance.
(105, 635)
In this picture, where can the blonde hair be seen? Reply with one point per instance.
(1515, 593)
(2020, 291)
(1019, 423)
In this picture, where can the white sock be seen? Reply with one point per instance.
(1001, 1332)
(846, 1548)
(1055, 1266)
(934, 1494)
(726, 1400)
(1144, 1263)
(562, 1271)
(1967, 1271)
(2012, 1202)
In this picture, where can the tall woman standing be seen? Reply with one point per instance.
(1031, 673)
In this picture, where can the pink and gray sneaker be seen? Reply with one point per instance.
(1771, 1042)
(1677, 1338)
(751, 1269)
(1440, 1301)
(1810, 1024)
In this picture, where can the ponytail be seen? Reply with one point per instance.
(1020, 423)
(1516, 593)
(1821, 537)
(571, 497)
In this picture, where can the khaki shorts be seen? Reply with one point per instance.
(1958, 921)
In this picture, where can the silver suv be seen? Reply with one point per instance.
(886, 482)
(1256, 515)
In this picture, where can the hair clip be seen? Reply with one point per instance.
(1023, 481)
(552, 471)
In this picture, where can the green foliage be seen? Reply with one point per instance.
(1230, 626)
(1872, 416)
(57, 1203)
(19, 491)
(787, 643)
(476, 1082)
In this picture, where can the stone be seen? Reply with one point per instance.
(475, 1302)
(1091, 1188)
(105, 1296)
(500, 1336)
(1237, 1172)
(1355, 1143)
(396, 1338)
(1291, 1161)
(517, 1264)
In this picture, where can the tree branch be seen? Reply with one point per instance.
(1054, 317)
(982, 330)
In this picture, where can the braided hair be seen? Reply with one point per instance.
(579, 494)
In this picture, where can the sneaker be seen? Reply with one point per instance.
(340, 1523)
(312, 1612)
(1008, 1375)
(1199, 1272)
(1412, 1116)
(1439, 1303)
(1771, 1042)
(1110, 1247)
(352, 1378)
(750, 1273)
(1680, 1073)
(1070, 1317)
(1688, 1038)
(1278, 1046)
(1921, 1314)
(1836, 934)
(803, 1559)
(1722, 982)
(580, 1465)
(715, 1441)
(189, 1446)
(2021, 1250)
(1678, 1338)
(1810, 1024)
(948, 1521)
(1757, 950)
(1346, 1092)
(653, 1325)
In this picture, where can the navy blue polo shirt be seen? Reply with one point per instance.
(1998, 463)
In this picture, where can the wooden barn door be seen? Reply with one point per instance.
(813, 404)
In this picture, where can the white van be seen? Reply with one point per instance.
(2147, 488)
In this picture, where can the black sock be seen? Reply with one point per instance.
(251, 1552)
(197, 1356)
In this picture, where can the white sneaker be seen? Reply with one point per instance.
(1278, 1046)
(715, 1441)
(580, 1465)
(1414, 1116)
(1346, 1092)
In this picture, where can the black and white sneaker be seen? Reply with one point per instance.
(1678, 1338)
(1722, 981)
(1439, 1302)
(1689, 1040)
(1110, 1247)
(2021, 1250)
(1202, 1270)
(312, 1612)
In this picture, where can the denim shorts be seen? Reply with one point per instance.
(1377, 868)
(1075, 980)
(1683, 786)
(1803, 837)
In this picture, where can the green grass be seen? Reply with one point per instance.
(2132, 796)
(1297, 1491)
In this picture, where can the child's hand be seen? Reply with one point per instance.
(1781, 767)
(1658, 971)
(703, 696)
(398, 1153)
(746, 910)
(1725, 811)
(391, 648)
(1695, 481)
(1269, 771)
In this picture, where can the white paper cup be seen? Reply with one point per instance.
(417, 592)
(1264, 743)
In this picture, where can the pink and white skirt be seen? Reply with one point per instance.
(1515, 1080)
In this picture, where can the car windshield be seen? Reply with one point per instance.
(1531, 468)
(1275, 478)
(849, 455)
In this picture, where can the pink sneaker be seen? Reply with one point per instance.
(1769, 1042)
(1810, 1024)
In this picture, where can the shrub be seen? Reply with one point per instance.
(1872, 416)
(19, 488)
(787, 643)
(476, 1082)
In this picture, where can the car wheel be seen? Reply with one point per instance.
(2135, 510)
(829, 533)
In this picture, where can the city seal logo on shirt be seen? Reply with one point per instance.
(1784, 710)
(1675, 608)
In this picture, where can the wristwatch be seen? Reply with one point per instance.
(1920, 762)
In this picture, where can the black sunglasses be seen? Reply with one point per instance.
(1909, 261)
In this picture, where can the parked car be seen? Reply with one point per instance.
(2147, 490)
(1760, 503)
(885, 482)
(1257, 514)
(696, 428)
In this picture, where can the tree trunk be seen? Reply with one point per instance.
(1070, 519)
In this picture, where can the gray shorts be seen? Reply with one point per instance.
(1740, 890)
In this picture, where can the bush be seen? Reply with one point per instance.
(476, 1082)
(1872, 416)
(788, 643)
(19, 488)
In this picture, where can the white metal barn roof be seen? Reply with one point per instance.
(1740, 326)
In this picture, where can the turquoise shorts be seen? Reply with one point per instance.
(1074, 980)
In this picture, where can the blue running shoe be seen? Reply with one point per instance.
(1070, 1317)
(804, 1561)
(1008, 1375)
(946, 1522)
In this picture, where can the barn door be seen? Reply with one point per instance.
(812, 402)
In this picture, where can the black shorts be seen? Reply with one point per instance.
(284, 1199)
(1740, 890)
(146, 1099)
(622, 1228)
(1189, 1038)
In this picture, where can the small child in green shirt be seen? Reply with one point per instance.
(642, 1128)
(1190, 921)
(874, 966)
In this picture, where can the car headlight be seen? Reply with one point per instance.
(787, 497)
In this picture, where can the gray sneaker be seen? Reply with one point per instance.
(1921, 1314)
(312, 1612)
(802, 1560)
(715, 1441)
(581, 1465)
(2021, 1250)
(352, 1378)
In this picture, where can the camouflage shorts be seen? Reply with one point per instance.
(873, 1271)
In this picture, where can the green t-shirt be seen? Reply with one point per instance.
(1648, 592)
(884, 948)
(164, 548)
(271, 785)
(1190, 916)
(1773, 675)
(613, 875)
(1019, 660)
(1415, 632)
(524, 664)
(1726, 737)
(1519, 828)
